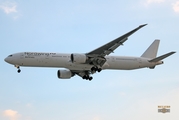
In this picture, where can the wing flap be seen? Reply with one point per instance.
(112, 48)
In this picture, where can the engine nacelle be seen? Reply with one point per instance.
(64, 74)
(78, 58)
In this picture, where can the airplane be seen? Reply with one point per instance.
(86, 64)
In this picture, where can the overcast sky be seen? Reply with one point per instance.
(79, 27)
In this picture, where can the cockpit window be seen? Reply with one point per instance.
(10, 56)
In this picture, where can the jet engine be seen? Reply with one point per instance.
(64, 74)
(78, 58)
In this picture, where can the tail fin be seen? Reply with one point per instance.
(152, 50)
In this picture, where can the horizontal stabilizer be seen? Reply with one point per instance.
(161, 57)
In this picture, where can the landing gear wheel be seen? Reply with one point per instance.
(18, 70)
(90, 78)
(87, 77)
(99, 69)
(95, 68)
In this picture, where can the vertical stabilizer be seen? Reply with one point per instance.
(151, 51)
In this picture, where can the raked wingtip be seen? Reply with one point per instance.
(143, 25)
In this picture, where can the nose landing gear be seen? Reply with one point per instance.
(18, 67)
(18, 70)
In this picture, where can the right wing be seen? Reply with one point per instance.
(97, 56)
(111, 46)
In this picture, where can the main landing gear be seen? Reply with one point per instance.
(87, 77)
(18, 67)
(95, 68)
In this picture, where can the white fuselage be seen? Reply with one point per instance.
(61, 60)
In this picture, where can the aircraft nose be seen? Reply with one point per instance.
(7, 60)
